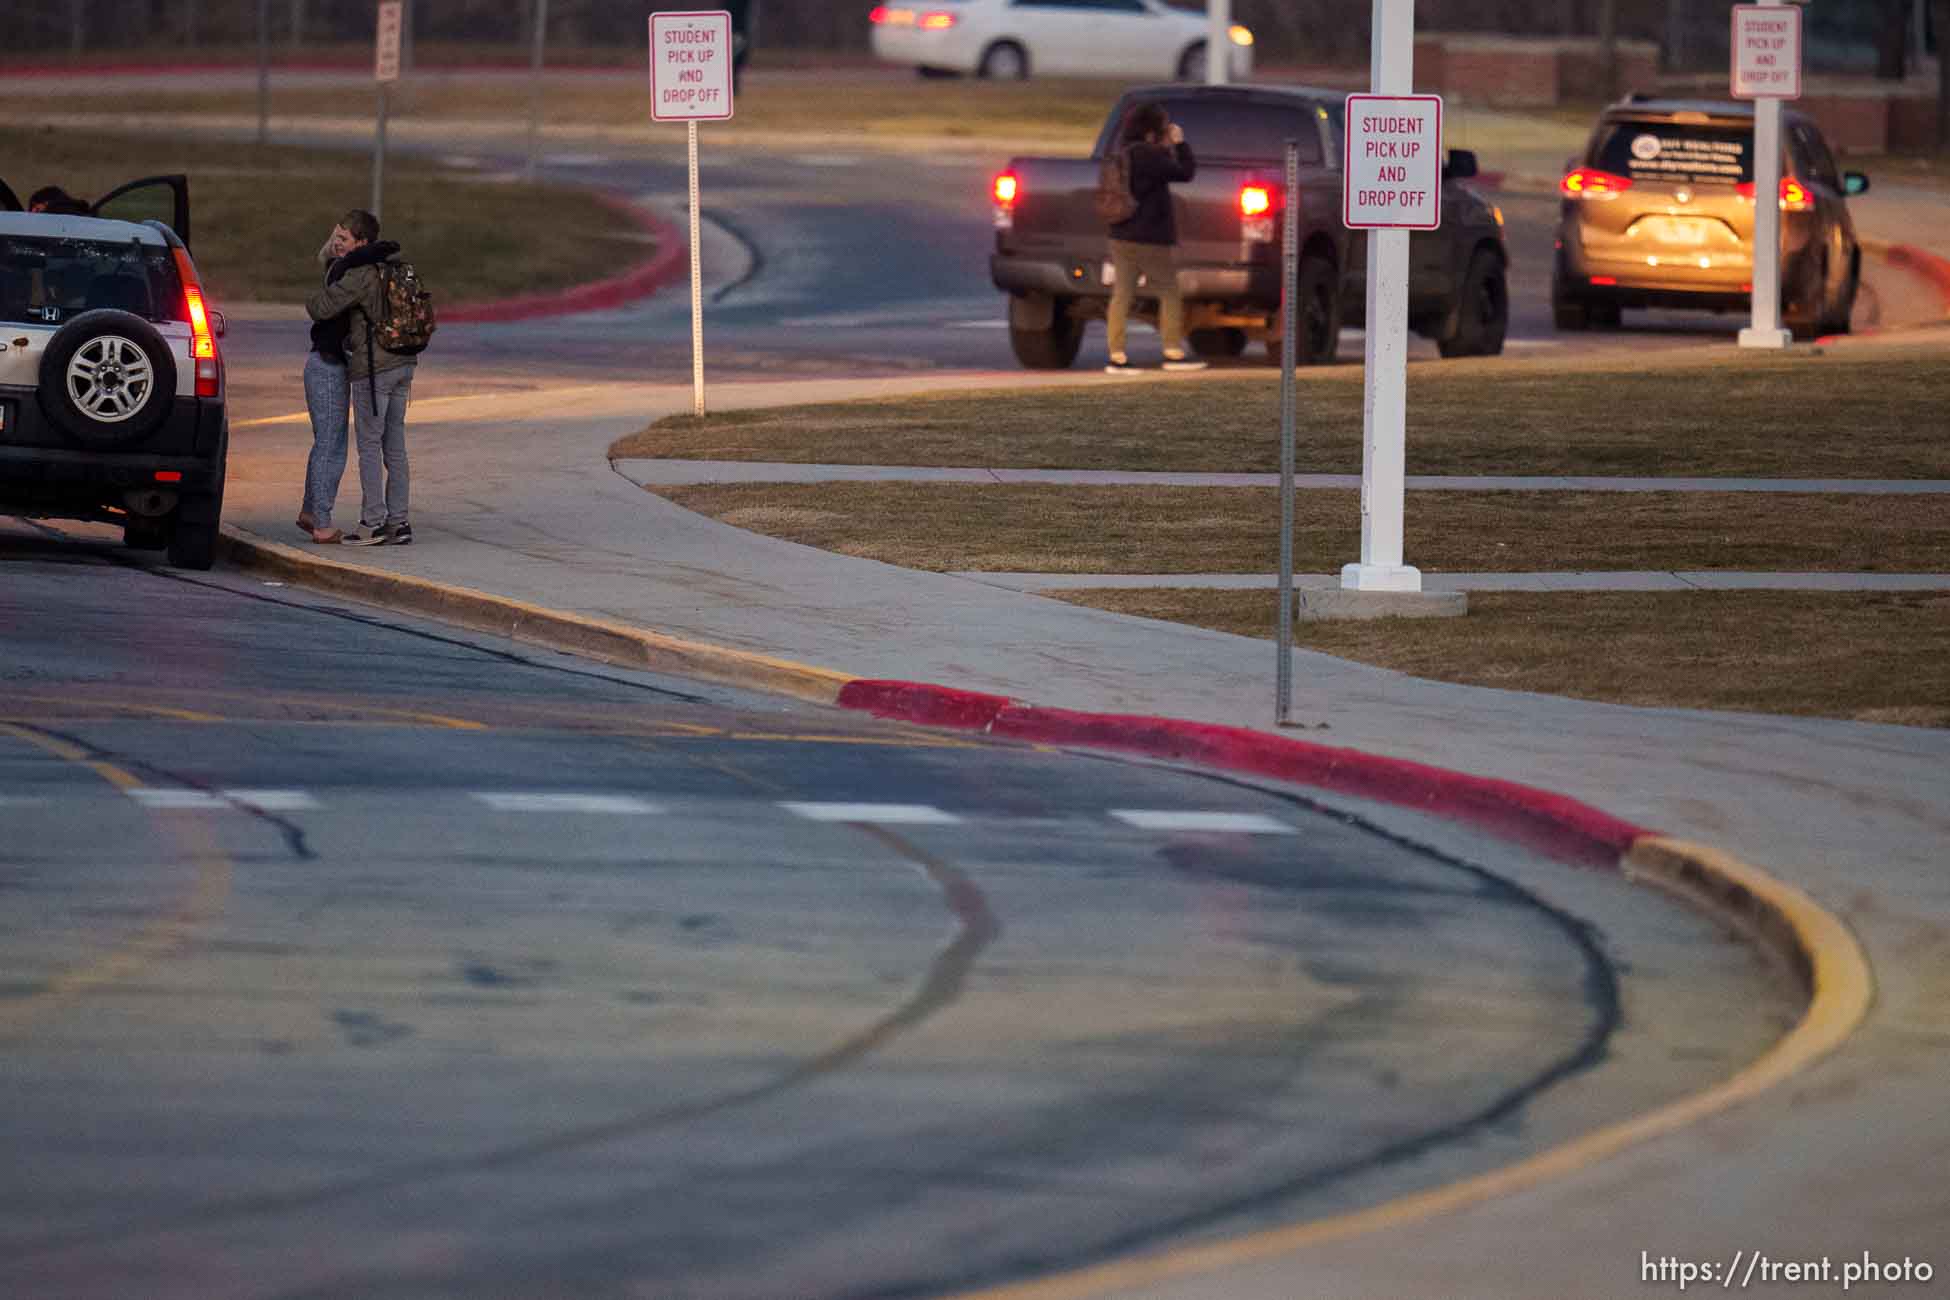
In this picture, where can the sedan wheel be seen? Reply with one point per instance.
(1005, 61)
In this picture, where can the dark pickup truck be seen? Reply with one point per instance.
(1052, 249)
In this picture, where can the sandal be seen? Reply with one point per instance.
(306, 524)
(326, 536)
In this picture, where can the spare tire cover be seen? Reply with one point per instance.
(107, 379)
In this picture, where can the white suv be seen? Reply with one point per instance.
(111, 385)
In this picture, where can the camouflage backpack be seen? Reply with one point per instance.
(405, 324)
(1115, 202)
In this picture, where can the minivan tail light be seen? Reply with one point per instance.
(1590, 183)
(1794, 195)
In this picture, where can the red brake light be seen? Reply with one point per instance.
(1255, 201)
(1590, 183)
(878, 15)
(938, 21)
(1007, 186)
(203, 344)
(1794, 195)
(169, 476)
(891, 17)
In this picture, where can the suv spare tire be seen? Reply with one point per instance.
(107, 379)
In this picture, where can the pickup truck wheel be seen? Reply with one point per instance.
(1004, 61)
(1054, 348)
(1483, 312)
(1227, 342)
(1318, 329)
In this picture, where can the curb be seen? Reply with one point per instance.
(481, 611)
(1924, 264)
(638, 282)
(1814, 948)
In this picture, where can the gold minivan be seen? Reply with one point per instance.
(1659, 212)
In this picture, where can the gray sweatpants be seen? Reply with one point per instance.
(381, 432)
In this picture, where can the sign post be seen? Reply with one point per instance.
(1392, 185)
(1289, 340)
(690, 81)
(385, 71)
(1766, 70)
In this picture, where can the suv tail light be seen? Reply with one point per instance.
(1794, 195)
(1590, 183)
(203, 343)
(1006, 188)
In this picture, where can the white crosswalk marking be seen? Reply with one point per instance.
(891, 814)
(163, 797)
(273, 800)
(175, 797)
(518, 801)
(1157, 819)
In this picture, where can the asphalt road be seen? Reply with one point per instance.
(823, 264)
(349, 955)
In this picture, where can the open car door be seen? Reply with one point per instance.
(153, 198)
(8, 201)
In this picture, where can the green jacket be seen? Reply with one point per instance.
(355, 295)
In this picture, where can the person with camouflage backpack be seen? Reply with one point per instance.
(388, 315)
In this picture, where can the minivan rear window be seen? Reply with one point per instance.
(46, 279)
(1680, 152)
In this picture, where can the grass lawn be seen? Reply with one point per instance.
(1040, 529)
(1868, 657)
(1850, 413)
(259, 214)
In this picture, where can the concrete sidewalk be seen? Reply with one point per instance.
(523, 503)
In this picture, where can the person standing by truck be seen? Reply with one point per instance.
(1143, 244)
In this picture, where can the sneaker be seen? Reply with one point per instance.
(1120, 365)
(363, 536)
(1179, 361)
(402, 534)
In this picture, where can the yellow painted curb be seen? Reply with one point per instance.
(1814, 945)
(615, 643)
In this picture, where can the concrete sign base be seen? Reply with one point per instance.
(1320, 603)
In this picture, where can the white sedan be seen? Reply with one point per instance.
(1075, 38)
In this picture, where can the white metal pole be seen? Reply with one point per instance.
(1766, 331)
(1384, 409)
(1218, 42)
(697, 286)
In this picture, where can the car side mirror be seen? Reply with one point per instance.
(1461, 165)
(1854, 183)
(217, 324)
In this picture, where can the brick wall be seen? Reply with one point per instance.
(1524, 72)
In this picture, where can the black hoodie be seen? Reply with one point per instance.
(328, 336)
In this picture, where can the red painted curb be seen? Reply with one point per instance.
(1926, 264)
(638, 282)
(1551, 823)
